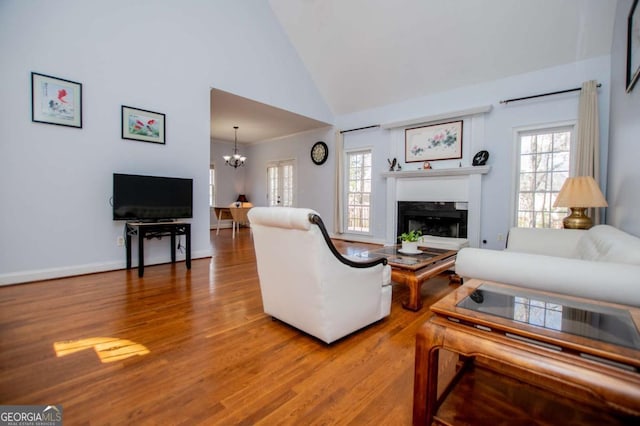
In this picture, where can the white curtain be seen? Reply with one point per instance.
(338, 218)
(588, 138)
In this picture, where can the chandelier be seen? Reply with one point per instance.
(236, 160)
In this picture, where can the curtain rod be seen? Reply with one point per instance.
(544, 94)
(359, 128)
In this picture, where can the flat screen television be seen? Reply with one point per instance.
(151, 198)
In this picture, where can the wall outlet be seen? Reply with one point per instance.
(120, 241)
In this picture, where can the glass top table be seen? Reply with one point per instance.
(594, 321)
(583, 349)
(590, 328)
(396, 258)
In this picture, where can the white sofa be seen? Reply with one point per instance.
(306, 283)
(602, 263)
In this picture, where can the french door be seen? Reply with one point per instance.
(281, 183)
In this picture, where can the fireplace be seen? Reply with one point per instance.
(460, 187)
(439, 218)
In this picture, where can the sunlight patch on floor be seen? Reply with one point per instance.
(109, 349)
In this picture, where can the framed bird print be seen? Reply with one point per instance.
(56, 101)
(143, 125)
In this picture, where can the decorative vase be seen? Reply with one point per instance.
(410, 246)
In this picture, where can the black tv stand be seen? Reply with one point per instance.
(149, 230)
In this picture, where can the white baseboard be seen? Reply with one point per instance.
(92, 268)
(223, 224)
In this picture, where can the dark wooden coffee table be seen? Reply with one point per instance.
(414, 269)
(554, 347)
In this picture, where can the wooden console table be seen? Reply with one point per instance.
(148, 230)
(582, 352)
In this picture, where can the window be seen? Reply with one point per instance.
(544, 159)
(538, 312)
(212, 186)
(359, 191)
(280, 182)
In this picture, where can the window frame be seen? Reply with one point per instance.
(537, 129)
(345, 183)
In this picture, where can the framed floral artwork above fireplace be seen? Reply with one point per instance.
(434, 142)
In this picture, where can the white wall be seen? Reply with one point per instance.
(499, 125)
(624, 174)
(161, 55)
(315, 184)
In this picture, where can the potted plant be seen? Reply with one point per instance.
(410, 240)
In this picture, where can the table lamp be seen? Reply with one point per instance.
(242, 201)
(579, 193)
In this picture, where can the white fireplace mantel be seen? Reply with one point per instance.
(455, 171)
(459, 184)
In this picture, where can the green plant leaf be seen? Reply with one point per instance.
(411, 236)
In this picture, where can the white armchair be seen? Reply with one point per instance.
(307, 283)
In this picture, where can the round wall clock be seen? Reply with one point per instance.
(319, 152)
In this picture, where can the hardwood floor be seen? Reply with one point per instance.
(214, 356)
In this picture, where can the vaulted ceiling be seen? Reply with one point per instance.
(257, 122)
(367, 53)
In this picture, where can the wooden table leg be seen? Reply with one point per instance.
(415, 279)
(415, 300)
(188, 247)
(127, 232)
(218, 222)
(409, 279)
(429, 340)
(141, 237)
(173, 245)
